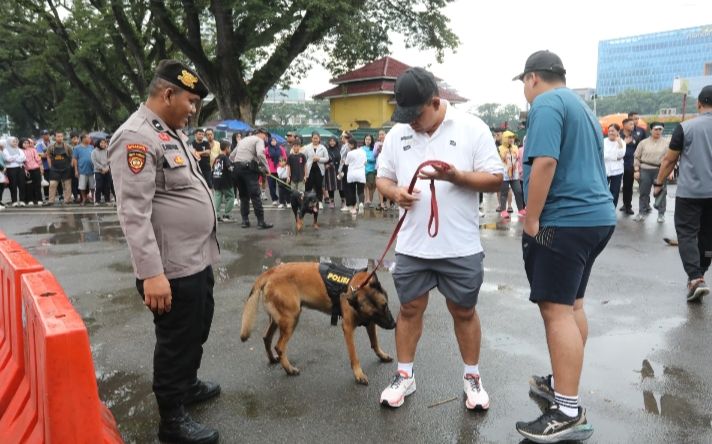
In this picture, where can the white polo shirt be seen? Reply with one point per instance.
(462, 140)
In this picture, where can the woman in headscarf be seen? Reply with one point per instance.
(14, 170)
(274, 153)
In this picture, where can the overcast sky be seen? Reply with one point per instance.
(496, 37)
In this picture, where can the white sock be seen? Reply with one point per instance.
(472, 369)
(406, 367)
(567, 404)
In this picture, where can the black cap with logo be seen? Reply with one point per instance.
(705, 95)
(542, 61)
(413, 90)
(182, 76)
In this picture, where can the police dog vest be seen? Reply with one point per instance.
(336, 279)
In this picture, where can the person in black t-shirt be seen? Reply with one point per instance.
(296, 168)
(202, 150)
(222, 182)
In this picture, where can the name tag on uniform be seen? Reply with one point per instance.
(169, 146)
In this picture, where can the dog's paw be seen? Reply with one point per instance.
(363, 380)
(316, 226)
(385, 357)
(293, 371)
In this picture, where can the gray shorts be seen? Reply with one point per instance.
(458, 278)
(86, 181)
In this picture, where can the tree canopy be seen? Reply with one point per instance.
(87, 63)
(496, 115)
(643, 102)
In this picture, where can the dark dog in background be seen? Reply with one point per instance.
(303, 203)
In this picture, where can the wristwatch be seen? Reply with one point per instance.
(657, 184)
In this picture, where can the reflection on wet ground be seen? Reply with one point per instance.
(130, 397)
(79, 228)
(658, 400)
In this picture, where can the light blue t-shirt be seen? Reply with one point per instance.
(370, 159)
(561, 126)
(84, 163)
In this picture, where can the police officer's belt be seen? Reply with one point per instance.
(336, 279)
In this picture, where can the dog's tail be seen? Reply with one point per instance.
(250, 310)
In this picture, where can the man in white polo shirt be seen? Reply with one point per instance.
(430, 128)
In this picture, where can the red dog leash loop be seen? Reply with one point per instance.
(433, 220)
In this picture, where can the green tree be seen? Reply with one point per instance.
(101, 53)
(496, 115)
(283, 114)
(644, 102)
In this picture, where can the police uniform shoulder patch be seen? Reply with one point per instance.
(136, 157)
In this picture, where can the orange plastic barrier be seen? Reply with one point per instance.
(52, 395)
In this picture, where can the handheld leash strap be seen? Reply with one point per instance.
(433, 221)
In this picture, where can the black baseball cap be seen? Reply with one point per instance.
(182, 76)
(705, 95)
(413, 90)
(542, 61)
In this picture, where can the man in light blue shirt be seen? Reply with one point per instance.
(84, 167)
(570, 219)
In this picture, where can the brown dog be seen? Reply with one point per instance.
(287, 287)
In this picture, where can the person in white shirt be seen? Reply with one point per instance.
(431, 129)
(613, 154)
(355, 176)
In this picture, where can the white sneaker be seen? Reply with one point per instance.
(280, 206)
(14, 205)
(39, 204)
(482, 214)
(22, 204)
(477, 397)
(275, 203)
(360, 208)
(661, 218)
(30, 204)
(639, 217)
(400, 387)
(345, 209)
(321, 206)
(236, 203)
(2, 207)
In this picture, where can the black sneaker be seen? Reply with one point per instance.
(228, 219)
(555, 426)
(696, 290)
(541, 387)
(245, 224)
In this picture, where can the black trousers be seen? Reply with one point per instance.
(693, 224)
(33, 187)
(16, 176)
(180, 335)
(354, 191)
(315, 182)
(248, 189)
(628, 187)
(614, 183)
(103, 186)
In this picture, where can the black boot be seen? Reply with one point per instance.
(177, 427)
(264, 225)
(201, 391)
(245, 223)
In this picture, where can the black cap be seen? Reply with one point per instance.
(263, 131)
(542, 61)
(705, 95)
(182, 76)
(413, 90)
(44, 133)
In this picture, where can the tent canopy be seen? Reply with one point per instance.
(233, 125)
(308, 130)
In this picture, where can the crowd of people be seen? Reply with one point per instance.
(35, 171)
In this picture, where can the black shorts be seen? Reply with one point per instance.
(558, 261)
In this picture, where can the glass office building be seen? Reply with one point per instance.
(651, 62)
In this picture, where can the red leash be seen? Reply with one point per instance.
(434, 219)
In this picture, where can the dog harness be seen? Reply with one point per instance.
(336, 279)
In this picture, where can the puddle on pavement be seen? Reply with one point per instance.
(79, 228)
(657, 381)
(131, 401)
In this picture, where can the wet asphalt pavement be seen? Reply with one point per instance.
(647, 375)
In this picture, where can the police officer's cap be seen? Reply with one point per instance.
(182, 76)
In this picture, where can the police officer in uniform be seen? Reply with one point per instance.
(250, 163)
(168, 218)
